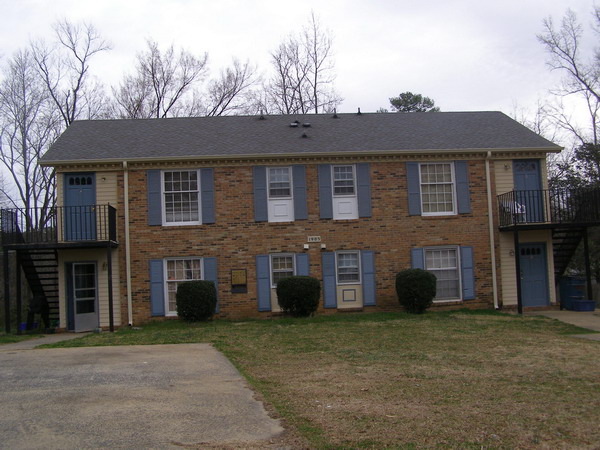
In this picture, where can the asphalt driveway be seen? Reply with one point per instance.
(158, 396)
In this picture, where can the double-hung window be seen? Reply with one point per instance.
(343, 180)
(344, 200)
(348, 267)
(178, 271)
(437, 188)
(280, 182)
(282, 266)
(444, 263)
(181, 199)
(280, 194)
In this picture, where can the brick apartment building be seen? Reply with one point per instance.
(350, 199)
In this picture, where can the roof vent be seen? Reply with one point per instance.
(306, 124)
(335, 116)
(358, 113)
(261, 116)
(294, 124)
(304, 135)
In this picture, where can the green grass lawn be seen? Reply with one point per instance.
(451, 379)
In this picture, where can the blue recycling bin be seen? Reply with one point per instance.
(571, 288)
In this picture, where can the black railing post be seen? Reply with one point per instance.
(588, 268)
(111, 319)
(518, 271)
(18, 302)
(6, 292)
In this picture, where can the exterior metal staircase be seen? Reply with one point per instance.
(40, 267)
(565, 242)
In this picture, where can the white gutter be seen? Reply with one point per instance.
(488, 182)
(127, 249)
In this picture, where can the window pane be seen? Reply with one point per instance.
(178, 271)
(343, 180)
(443, 263)
(279, 182)
(347, 267)
(282, 266)
(181, 196)
(437, 188)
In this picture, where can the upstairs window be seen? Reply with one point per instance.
(437, 188)
(343, 180)
(181, 196)
(280, 182)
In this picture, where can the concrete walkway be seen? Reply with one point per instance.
(30, 344)
(145, 396)
(583, 319)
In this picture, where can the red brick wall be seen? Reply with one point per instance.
(235, 239)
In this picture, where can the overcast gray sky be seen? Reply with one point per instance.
(465, 54)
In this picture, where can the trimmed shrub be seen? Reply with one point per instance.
(298, 296)
(416, 289)
(196, 300)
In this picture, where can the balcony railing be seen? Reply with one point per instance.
(64, 224)
(550, 206)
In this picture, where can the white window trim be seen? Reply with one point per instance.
(458, 269)
(166, 279)
(342, 283)
(454, 206)
(291, 255)
(163, 203)
(353, 180)
(291, 196)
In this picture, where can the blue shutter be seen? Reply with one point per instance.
(468, 272)
(417, 258)
(154, 200)
(263, 283)
(414, 189)
(325, 193)
(207, 188)
(302, 266)
(261, 213)
(363, 178)
(368, 277)
(461, 171)
(210, 274)
(299, 180)
(157, 291)
(329, 284)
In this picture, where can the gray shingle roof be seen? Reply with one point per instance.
(243, 136)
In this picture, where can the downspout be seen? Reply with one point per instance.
(127, 248)
(488, 182)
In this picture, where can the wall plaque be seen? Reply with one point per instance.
(239, 280)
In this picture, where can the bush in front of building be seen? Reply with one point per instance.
(196, 300)
(298, 296)
(416, 289)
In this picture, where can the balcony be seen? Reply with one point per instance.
(65, 226)
(549, 208)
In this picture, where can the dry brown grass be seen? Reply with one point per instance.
(391, 380)
(454, 380)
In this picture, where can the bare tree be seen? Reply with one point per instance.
(29, 123)
(581, 75)
(227, 94)
(303, 73)
(64, 67)
(163, 84)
